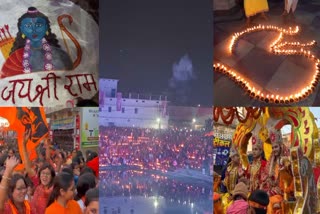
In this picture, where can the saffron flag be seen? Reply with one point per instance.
(22, 118)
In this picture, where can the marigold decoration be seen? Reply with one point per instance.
(228, 114)
(278, 48)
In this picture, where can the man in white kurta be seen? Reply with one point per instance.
(290, 5)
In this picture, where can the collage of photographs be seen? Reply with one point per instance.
(159, 107)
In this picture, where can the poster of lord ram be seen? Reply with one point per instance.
(49, 52)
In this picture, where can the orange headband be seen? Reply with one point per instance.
(256, 205)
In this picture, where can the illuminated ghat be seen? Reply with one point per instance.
(277, 47)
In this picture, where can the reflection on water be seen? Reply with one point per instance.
(131, 191)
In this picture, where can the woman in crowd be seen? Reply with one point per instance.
(75, 166)
(28, 191)
(92, 201)
(43, 181)
(13, 190)
(86, 181)
(42, 192)
(61, 198)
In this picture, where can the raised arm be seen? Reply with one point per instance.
(48, 153)
(11, 163)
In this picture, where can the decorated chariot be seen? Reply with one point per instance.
(288, 171)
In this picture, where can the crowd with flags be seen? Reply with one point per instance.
(46, 179)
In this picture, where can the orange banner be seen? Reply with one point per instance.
(22, 118)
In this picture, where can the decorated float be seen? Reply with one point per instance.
(300, 161)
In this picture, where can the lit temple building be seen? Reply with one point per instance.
(130, 110)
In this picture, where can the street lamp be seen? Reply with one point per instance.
(159, 123)
(194, 123)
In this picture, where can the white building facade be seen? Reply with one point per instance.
(130, 110)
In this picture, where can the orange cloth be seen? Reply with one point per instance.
(273, 200)
(216, 196)
(9, 208)
(218, 207)
(72, 207)
(94, 165)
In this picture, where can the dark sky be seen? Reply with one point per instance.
(140, 40)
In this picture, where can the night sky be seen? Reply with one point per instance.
(140, 40)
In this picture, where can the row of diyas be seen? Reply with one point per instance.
(275, 49)
(302, 52)
(236, 36)
(270, 98)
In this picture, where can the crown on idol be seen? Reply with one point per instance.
(256, 141)
(275, 135)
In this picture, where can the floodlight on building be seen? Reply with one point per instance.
(155, 203)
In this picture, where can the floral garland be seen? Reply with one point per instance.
(48, 66)
(228, 114)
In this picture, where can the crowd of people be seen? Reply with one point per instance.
(271, 179)
(147, 156)
(154, 149)
(56, 181)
